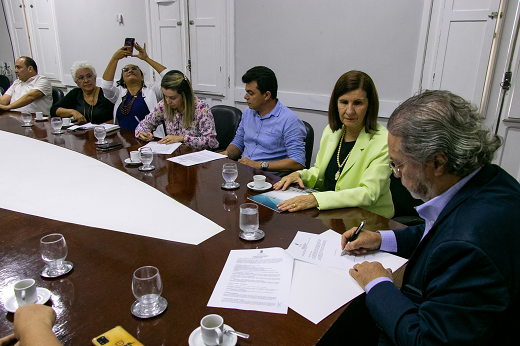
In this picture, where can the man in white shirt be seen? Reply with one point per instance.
(30, 92)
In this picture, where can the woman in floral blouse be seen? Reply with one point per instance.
(187, 118)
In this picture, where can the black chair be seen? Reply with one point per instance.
(404, 203)
(4, 83)
(57, 95)
(227, 119)
(309, 144)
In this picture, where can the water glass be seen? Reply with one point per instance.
(100, 133)
(147, 288)
(146, 157)
(56, 123)
(26, 118)
(249, 222)
(54, 250)
(230, 173)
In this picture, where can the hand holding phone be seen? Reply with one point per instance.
(130, 42)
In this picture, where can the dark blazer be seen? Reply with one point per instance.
(461, 284)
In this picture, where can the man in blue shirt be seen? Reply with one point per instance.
(461, 285)
(270, 136)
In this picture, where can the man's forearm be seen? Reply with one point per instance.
(233, 152)
(284, 165)
(25, 100)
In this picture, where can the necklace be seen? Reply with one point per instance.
(340, 165)
(86, 112)
(125, 109)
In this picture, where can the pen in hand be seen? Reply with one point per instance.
(353, 237)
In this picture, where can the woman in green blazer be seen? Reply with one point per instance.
(351, 168)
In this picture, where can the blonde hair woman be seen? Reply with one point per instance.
(187, 118)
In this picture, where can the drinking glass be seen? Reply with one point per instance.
(249, 222)
(230, 173)
(146, 157)
(53, 249)
(147, 288)
(26, 118)
(100, 133)
(56, 123)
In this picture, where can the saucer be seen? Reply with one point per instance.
(42, 119)
(130, 162)
(267, 186)
(259, 234)
(195, 338)
(162, 305)
(68, 267)
(29, 125)
(44, 294)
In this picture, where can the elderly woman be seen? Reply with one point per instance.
(351, 168)
(187, 118)
(132, 98)
(87, 103)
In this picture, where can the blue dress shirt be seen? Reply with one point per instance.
(279, 135)
(429, 211)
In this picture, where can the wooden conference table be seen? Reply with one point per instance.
(96, 296)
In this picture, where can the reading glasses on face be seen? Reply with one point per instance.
(395, 168)
(82, 78)
(133, 68)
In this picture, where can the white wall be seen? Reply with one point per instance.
(88, 30)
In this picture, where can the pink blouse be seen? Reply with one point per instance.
(200, 135)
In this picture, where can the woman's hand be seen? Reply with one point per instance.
(288, 180)
(121, 53)
(298, 203)
(78, 117)
(145, 136)
(171, 139)
(142, 51)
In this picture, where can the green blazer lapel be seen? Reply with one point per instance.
(327, 156)
(357, 150)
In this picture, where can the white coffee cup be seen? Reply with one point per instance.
(39, 115)
(259, 181)
(25, 292)
(66, 122)
(134, 156)
(212, 330)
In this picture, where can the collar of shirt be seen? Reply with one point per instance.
(431, 210)
(274, 113)
(29, 80)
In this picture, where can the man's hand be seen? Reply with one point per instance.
(365, 272)
(248, 162)
(365, 241)
(4, 107)
(8, 340)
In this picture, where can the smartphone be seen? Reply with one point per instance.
(109, 146)
(129, 42)
(116, 337)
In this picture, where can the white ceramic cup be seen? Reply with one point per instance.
(212, 330)
(25, 292)
(66, 122)
(259, 181)
(39, 115)
(134, 156)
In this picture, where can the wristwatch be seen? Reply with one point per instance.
(264, 165)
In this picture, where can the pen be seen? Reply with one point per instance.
(136, 118)
(354, 236)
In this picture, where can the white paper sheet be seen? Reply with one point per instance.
(325, 250)
(90, 126)
(318, 291)
(196, 158)
(104, 197)
(258, 279)
(162, 148)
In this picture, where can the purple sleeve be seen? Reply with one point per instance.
(374, 282)
(206, 128)
(388, 241)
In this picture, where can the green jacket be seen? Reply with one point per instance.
(365, 178)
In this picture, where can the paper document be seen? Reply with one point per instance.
(90, 126)
(196, 158)
(325, 250)
(162, 148)
(258, 279)
(272, 198)
(316, 291)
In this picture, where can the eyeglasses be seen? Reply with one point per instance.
(82, 78)
(395, 168)
(132, 68)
